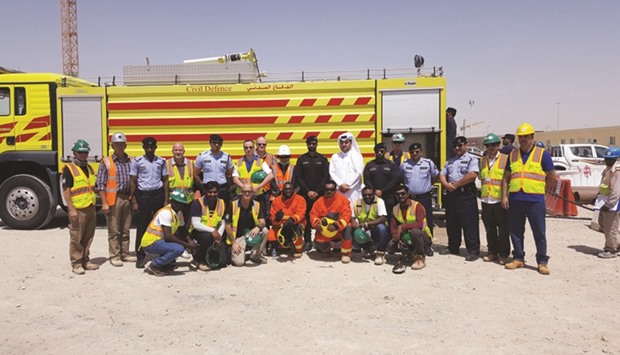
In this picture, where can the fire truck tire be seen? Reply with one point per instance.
(26, 202)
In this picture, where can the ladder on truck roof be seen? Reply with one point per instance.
(227, 69)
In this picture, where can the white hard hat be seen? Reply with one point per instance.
(284, 150)
(119, 137)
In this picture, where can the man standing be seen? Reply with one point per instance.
(609, 194)
(78, 188)
(249, 164)
(346, 168)
(330, 217)
(409, 218)
(450, 130)
(215, 165)
(494, 216)
(311, 174)
(244, 222)
(166, 235)
(507, 140)
(457, 177)
(148, 188)
(261, 152)
(419, 174)
(207, 216)
(529, 173)
(381, 175)
(370, 216)
(397, 156)
(181, 176)
(283, 169)
(288, 219)
(113, 186)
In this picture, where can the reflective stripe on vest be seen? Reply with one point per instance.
(284, 178)
(245, 175)
(174, 176)
(83, 190)
(411, 217)
(530, 176)
(154, 233)
(236, 210)
(403, 157)
(208, 219)
(361, 214)
(492, 187)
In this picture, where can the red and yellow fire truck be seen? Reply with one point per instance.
(42, 115)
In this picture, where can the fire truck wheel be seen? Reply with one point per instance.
(26, 202)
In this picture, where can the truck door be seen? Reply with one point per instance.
(7, 119)
(416, 113)
(82, 118)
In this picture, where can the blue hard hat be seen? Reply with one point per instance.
(612, 152)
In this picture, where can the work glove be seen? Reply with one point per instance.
(279, 215)
(289, 223)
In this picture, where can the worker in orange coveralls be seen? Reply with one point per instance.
(288, 218)
(331, 218)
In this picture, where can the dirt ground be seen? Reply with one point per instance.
(310, 306)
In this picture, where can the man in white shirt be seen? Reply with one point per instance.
(347, 167)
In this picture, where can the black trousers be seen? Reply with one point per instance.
(308, 229)
(495, 219)
(462, 219)
(149, 202)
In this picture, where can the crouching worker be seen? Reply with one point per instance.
(331, 216)
(409, 224)
(207, 216)
(166, 235)
(369, 225)
(288, 220)
(246, 228)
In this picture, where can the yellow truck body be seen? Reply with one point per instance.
(41, 116)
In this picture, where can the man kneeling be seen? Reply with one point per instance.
(166, 235)
(207, 218)
(288, 216)
(409, 223)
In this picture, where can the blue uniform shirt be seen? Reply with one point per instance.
(418, 176)
(547, 165)
(213, 167)
(457, 167)
(149, 173)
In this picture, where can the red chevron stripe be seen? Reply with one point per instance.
(200, 121)
(350, 118)
(188, 105)
(335, 101)
(308, 102)
(296, 119)
(362, 101)
(284, 135)
(195, 137)
(38, 122)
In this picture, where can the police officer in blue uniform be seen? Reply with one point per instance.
(148, 188)
(215, 165)
(457, 177)
(419, 174)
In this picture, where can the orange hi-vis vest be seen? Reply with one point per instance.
(236, 210)
(284, 177)
(83, 190)
(111, 186)
(492, 187)
(411, 217)
(529, 177)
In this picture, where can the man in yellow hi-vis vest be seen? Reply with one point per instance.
(494, 216)
(207, 216)
(166, 235)
(78, 188)
(181, 176)
(529, 172)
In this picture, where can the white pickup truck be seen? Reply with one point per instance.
(582, 164)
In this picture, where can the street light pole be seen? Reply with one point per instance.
(471, 105)
(558, 116)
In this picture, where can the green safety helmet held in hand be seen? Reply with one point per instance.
(180, 196)
(406, 238)
(252, 241)
(81, 146)
(213, 258)
(258, 177)
(361, 236)
(491, 138)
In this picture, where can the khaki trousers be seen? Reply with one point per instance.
(82, 236)
(255, 253)
(119, 221)
(611, 225)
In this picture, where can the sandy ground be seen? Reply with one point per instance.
(310, 306)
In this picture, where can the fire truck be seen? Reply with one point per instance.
(43, 114)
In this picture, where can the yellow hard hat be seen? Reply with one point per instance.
(524, 129)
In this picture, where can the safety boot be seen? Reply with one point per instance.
(116, 262)
(543, 269)
(345, 258)
(419, 262)
(380, 258)
(515, 264)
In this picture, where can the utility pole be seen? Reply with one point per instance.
(558, 115)
(471, 106)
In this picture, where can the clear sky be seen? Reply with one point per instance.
(514, 59)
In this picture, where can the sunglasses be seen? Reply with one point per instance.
(402, 193)
(261, 144)
(246, 191)
(330, 189)
(246, 148)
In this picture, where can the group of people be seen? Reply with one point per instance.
(219, 212)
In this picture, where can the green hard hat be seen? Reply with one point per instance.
(213, 258)
(406, 238)
(180, 196)
(252, 241)
(81, 146)
(258, 177)
(491, 138)
(361, 236)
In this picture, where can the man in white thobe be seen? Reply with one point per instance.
(346, 168)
